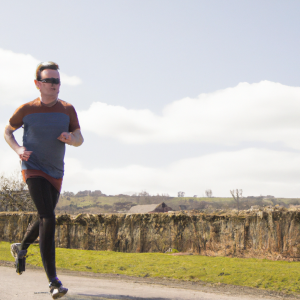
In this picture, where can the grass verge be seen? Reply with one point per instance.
(259, 273)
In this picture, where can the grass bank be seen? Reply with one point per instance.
(272, 275)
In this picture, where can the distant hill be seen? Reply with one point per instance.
(97, 202)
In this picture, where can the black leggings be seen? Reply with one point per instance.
(45, 198)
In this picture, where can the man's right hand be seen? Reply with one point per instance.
(23, 153)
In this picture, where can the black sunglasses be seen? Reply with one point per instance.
(50, 80)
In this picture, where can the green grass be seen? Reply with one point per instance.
(265, 274)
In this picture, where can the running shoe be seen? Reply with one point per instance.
(56, 289)
(20, 257)
(14, 249)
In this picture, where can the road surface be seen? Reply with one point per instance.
(33, 284)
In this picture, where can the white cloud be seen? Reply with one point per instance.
(256, 171)
(9, 161)
(259, 112)
(128, 125)
(69, 80)
(17, 73)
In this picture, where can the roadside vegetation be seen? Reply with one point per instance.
(14, 195)
(277, 276)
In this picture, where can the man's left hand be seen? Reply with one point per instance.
(66, 137)
(72, 138)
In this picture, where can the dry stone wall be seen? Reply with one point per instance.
(261, 234)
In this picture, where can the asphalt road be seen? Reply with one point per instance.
(33, 284)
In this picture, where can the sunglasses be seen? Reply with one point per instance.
(50, 80)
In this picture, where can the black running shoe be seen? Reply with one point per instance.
(20, 257)
(57, 290)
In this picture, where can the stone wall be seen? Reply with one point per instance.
(261, 234)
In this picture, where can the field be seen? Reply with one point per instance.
(264, 274)
(122, 203)
(110, 204)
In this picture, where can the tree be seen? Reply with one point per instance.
(181, 194)
(14, 195)
(237, 194)
(143, 194)
(144, 197)
(208, 193)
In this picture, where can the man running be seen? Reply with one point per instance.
(49, 123)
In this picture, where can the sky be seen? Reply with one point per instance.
(171, 95)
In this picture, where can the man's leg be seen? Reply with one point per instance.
(19, 250)
(28, 239)
(45, 197)
(30, 236)
(47, 246)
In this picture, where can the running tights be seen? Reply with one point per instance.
(45, 198)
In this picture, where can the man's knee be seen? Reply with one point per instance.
(49, 215)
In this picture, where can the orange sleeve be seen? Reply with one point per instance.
(74, 123)
(16, 121)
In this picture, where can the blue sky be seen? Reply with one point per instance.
(171, 95)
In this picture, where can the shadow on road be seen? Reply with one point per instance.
(107, 297)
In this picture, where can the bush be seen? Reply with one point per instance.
(14, 195)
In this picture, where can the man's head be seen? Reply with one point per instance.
(47, 79)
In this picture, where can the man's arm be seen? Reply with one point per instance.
(74, 138)
(11, 141)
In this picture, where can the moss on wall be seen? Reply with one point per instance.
(272, 234)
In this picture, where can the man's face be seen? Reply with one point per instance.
(48, 89)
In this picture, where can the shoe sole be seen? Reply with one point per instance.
(59, 295)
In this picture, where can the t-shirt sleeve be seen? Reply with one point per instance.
(16, 121)
(74, 123)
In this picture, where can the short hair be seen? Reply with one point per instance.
(44, 66)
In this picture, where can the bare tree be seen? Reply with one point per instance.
(14, 195)
(143, 194)
(237, 194)
(144, 197)
(208, 193)
(181, 194)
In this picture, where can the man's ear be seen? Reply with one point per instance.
(37, 84)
